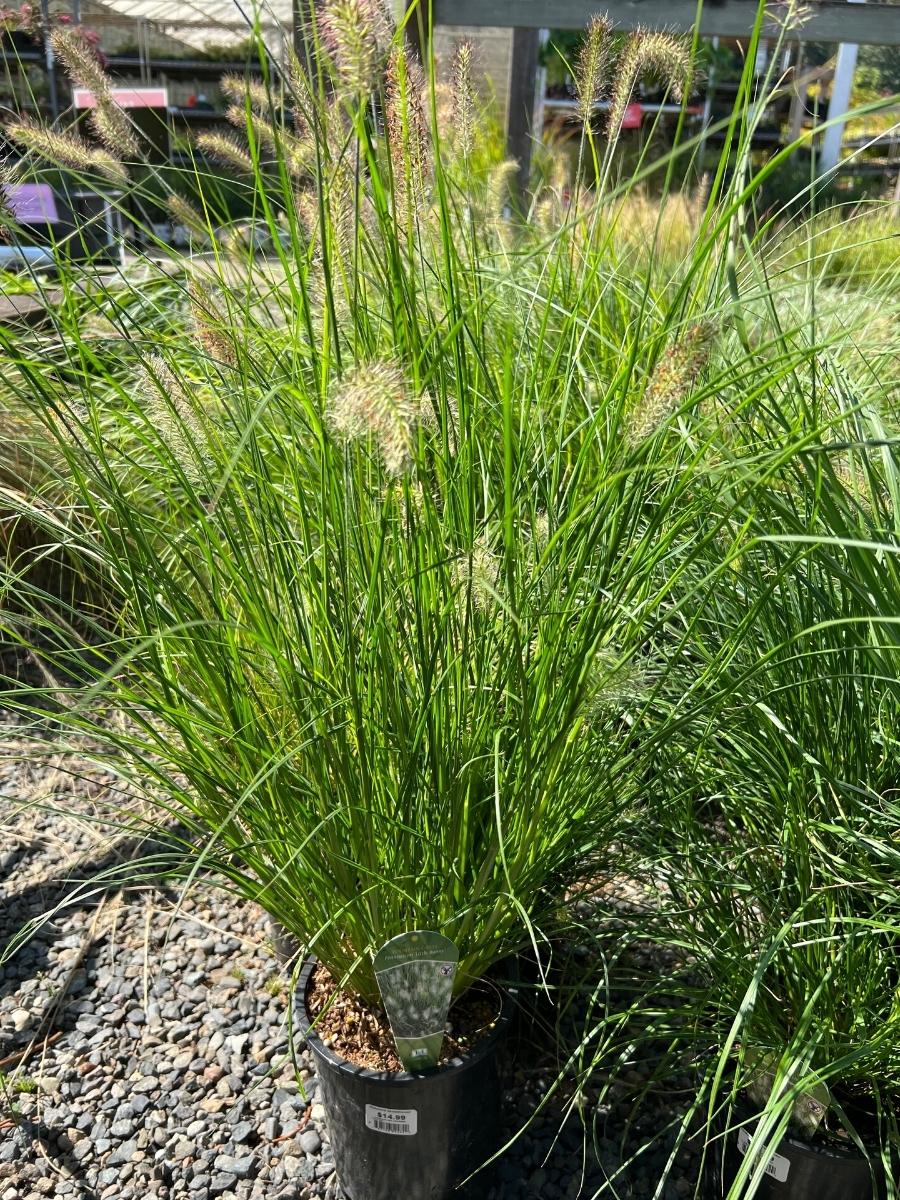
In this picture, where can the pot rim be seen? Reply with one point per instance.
(485, 1047)
(742, 1106)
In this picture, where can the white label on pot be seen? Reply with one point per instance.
(778, 1166)
(392, 1120)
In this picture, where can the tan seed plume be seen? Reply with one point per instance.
(172, 413)
(358, 35)
(477, 574)
(407, 133)
(592, 68)
(660, 55)
(183, 212)
(463, 93)
(226, 150)
(374, 400)
(672, 381)
(252, 107)
(210, 325)
(66, 150)
(108, 120)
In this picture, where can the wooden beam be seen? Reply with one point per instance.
(829, 20)
(520, 109)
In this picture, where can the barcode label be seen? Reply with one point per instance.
(778, 1166)
(403, 1121)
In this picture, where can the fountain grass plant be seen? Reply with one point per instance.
(389, 556)
(455, 561)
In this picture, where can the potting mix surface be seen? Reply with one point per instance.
(362, 1035)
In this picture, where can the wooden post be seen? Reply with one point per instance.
(520, 130)
(844, 70)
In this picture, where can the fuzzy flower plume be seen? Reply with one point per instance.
(209, 326)
(250, 94)
(463, 94)
(478, 573)
(592, 67)
(499, 180)
(108, 120)
(358, 35)
(226, 150)
(239, 90)
(374, 400)
(673, 378)
(171, 411)
(614, 685)
(66, 150)
(183, 213)
(659, 55)
(306, 205)
(407, 132)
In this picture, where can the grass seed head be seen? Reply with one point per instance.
(226, 150)
(172, 412)
(463, 99)
(66, 150)
(477, 574)
(407, 133)
(373, 400)
(184, 213)
(671, 382)
(358, 35)
(499, 181)
(209, 326)
(592, 68)
(665, 57)
(108, 119)
(240, 90)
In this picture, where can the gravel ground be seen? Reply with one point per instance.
(144, 1045)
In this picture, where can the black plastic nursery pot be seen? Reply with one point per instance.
(796, 1170)
(415, 1136)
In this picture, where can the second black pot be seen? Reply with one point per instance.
(396, 1134)
(796, 1170)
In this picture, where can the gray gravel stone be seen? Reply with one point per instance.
(310, 1142)
(239, 1167)
(123, 1153)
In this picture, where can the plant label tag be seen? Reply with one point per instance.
(778, 1166)
(415, 972)
(403, 1121)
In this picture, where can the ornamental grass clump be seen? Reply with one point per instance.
(338, 654)
(431, 544)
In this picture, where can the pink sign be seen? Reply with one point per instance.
(125, 97)
(32, 203)
(632, 117)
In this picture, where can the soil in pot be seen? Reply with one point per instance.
(821, 1169)
(399, 1134)
(362, 1035)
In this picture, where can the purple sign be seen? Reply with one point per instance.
(32, 203)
